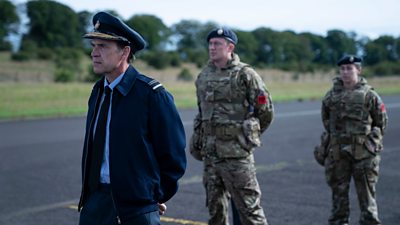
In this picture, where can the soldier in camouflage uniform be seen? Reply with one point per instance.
(234, 109)
(355, 119)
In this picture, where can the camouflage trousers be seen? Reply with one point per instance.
(235, 178)
(365, 174)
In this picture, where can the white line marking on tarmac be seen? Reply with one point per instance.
(302, 113)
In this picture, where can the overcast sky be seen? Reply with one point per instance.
(371, 18)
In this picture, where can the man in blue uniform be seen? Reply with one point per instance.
(134, 150)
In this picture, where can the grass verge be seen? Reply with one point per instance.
(40, 100)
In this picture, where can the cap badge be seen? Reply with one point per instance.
(220, 31)
(97, 25)
(351, 59)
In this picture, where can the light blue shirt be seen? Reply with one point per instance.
(105, 166)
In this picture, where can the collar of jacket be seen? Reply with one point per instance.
(126, 84)
(231, 63)
(338, 83)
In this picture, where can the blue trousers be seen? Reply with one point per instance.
(99, 210)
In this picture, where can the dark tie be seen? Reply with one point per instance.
(99, 142)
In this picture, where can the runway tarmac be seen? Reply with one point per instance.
(40, 176)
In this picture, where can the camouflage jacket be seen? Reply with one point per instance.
(353, 116)
(234, 106)
(233, 94)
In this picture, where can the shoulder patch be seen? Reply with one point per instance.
(154, 84)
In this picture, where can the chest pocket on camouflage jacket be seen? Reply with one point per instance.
(349, 113)
(350, 122)
(218, 89)
(224, 114)
(222, 100)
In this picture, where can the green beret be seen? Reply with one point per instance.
(109, 27)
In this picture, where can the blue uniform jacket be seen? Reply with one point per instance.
(147, 145)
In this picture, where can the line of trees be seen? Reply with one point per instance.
(55, 32)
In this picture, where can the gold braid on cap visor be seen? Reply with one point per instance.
(105, 36)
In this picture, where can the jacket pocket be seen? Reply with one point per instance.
(373, 142)
(251, 131)
(196, 142)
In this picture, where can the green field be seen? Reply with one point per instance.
(38, 100)
(27, 90)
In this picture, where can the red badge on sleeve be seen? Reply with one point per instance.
(262, 99)
(383, 109)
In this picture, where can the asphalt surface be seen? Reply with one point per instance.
(40, 176)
